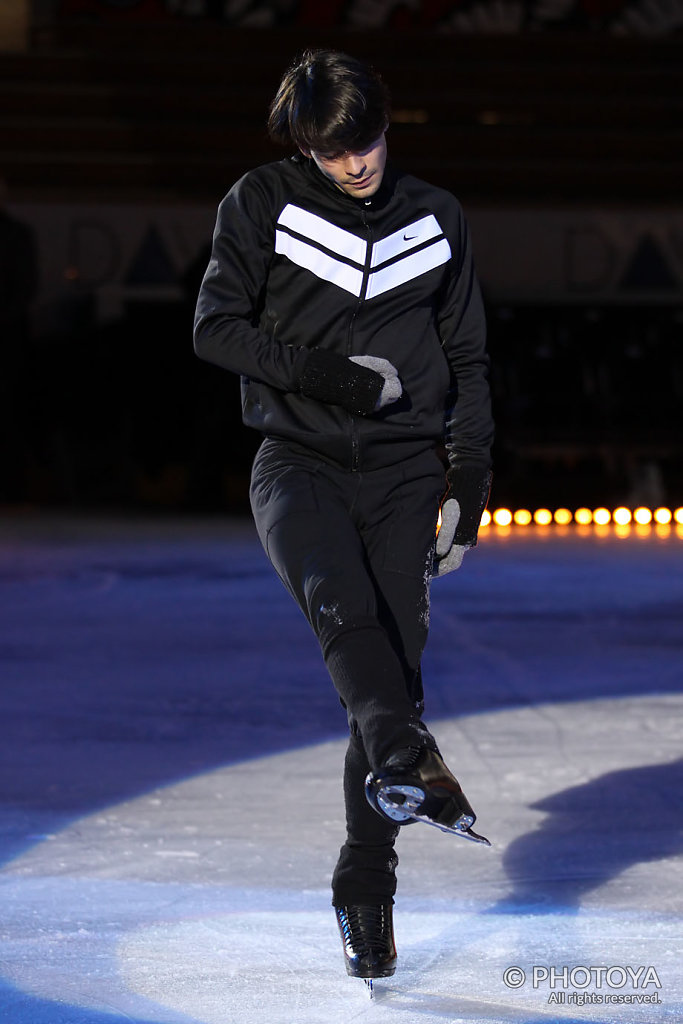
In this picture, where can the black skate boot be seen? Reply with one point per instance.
(367, 934)
(415, 785)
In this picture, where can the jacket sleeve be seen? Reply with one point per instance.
(226, 326)
(469, 424)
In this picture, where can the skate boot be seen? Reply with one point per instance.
(367, 933)
(415, 785)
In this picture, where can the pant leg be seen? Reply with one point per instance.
(303, 511)
(366, 868)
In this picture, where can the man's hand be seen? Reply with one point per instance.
(359, 384)
(461, 511)
(392, 389)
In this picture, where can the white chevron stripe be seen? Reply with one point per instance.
(393, 245)
(319, 230)
(408, 269)
(319, 263)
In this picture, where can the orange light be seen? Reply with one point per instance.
(486, 517)
(663, 516)
(622, 516)
(522, 517)
(562, 516)
(678, 516)
(642, 516)
(583, 516)
(502, 517)
(601, 516)
(543, 516)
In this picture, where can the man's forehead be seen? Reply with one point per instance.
(336, 154)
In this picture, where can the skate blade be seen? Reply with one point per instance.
(453, 830)
(368, 987)
(412, 797)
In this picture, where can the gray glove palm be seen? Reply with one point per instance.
(391, 390)
(449, 556)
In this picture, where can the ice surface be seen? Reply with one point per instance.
(200, 900)
(160, 696)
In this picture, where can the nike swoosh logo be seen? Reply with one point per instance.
(409, 238)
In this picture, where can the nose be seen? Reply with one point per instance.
(355, 166)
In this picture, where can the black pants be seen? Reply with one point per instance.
(355, 552)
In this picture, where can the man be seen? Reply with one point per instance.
(343, 293)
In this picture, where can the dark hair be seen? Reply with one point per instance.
(329, 102)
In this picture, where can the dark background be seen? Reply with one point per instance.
(134, 101)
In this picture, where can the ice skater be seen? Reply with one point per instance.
(343, 292)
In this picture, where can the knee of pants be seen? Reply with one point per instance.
(332, 614)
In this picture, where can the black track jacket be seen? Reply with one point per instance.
(298, 264)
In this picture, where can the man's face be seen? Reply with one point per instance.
(359, 174)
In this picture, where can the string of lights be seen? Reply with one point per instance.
(621, 519)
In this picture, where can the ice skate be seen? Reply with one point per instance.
(415, 785)
(367, 934)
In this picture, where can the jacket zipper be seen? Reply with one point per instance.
(355, 433)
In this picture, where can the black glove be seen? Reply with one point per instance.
(461, 512)
(359, 384)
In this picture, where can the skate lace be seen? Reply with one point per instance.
(364, 928)
(406, 758)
